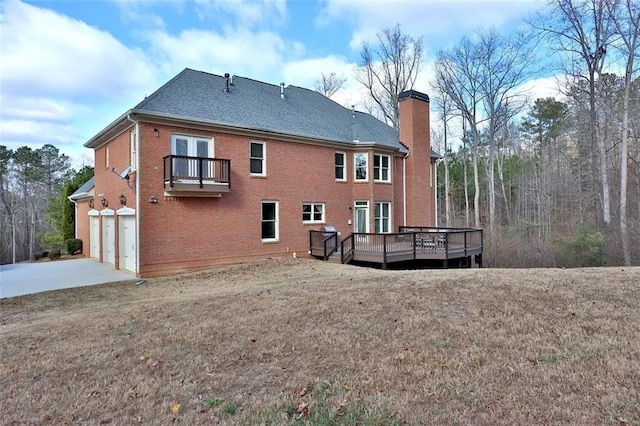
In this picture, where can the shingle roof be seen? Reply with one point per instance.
(257, 105)
(83, 190)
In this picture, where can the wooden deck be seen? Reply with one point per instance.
(410, 244)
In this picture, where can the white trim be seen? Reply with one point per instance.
(133, 153)
(344, 166)
(192, 144)
(107, 212)
(389, 204)
(137, 191)
(264, 158)
(126, 211)
(355, 167)
(277, 221)
(322, 220)
(94, 212)
(361, 204)
(388, 180)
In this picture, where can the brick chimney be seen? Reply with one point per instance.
(414, 132)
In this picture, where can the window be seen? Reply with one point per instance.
(132, 148)
(192, 146)
(381, 168)
(341, 162)
(258, 156)
(106, 157)
(382, 216)
(360, 163)
(269, 221)
(184, 146)
(313, 213)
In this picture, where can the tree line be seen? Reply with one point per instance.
(35, 213)
(552, 182)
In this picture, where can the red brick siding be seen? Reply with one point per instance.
(180, 233)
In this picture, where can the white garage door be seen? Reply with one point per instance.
(108, 240)
(127, 242)
(94, 237)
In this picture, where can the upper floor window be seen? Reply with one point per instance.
(313, 213)
(381, 168)
(132, 150)
(185, 148)
(340, 164)
(191, 146)
(106, 157)
(258, 158)
(360, 164)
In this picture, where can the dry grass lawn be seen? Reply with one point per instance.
(302, 341)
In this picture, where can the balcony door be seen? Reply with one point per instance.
(194, 147)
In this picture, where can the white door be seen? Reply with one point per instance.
(361, 217)
(94, 237)
(191, 146)
(108, 240)
(127, 242)
(361, 220)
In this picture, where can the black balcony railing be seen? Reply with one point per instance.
(197, 170)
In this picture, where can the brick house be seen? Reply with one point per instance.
(216, 169)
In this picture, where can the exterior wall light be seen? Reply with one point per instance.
(90, 204)
(123, 199)
(156, 133)
(153, 199)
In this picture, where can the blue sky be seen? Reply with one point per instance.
(68, 68)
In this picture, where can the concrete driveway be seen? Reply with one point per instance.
(28, 278)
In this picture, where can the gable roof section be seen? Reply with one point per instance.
(198, 96)
(84, 191)
(256, 105)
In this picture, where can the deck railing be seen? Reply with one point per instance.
(323, 243)
(410, 243)
(197, 169)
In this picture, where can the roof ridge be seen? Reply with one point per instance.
(147, 99)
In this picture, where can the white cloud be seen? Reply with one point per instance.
(51, 54)
(245, 13)
(241, 52)
(436, 20)
(56, 71)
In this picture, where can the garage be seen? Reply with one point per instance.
(108, 237)
(127, 239)
(94, 234)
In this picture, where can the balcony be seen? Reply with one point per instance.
(196, 176)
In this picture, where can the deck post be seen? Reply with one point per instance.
(479, 260)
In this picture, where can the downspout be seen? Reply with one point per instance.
(436, 191)
(404, 188)
(137, 190)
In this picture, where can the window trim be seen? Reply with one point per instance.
(192, 142)
(312, 220)
(380, 168)
(344, 166)
(355, 167)
(276, 221)
(132, 151)
(381, 218)
(264, 158)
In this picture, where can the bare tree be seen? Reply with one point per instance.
(446, 109)
(389, 69)
(583, 29)
(505, 63)
(626, 19)
(329, 84)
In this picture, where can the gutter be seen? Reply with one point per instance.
(137, 191)
(404, 187)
